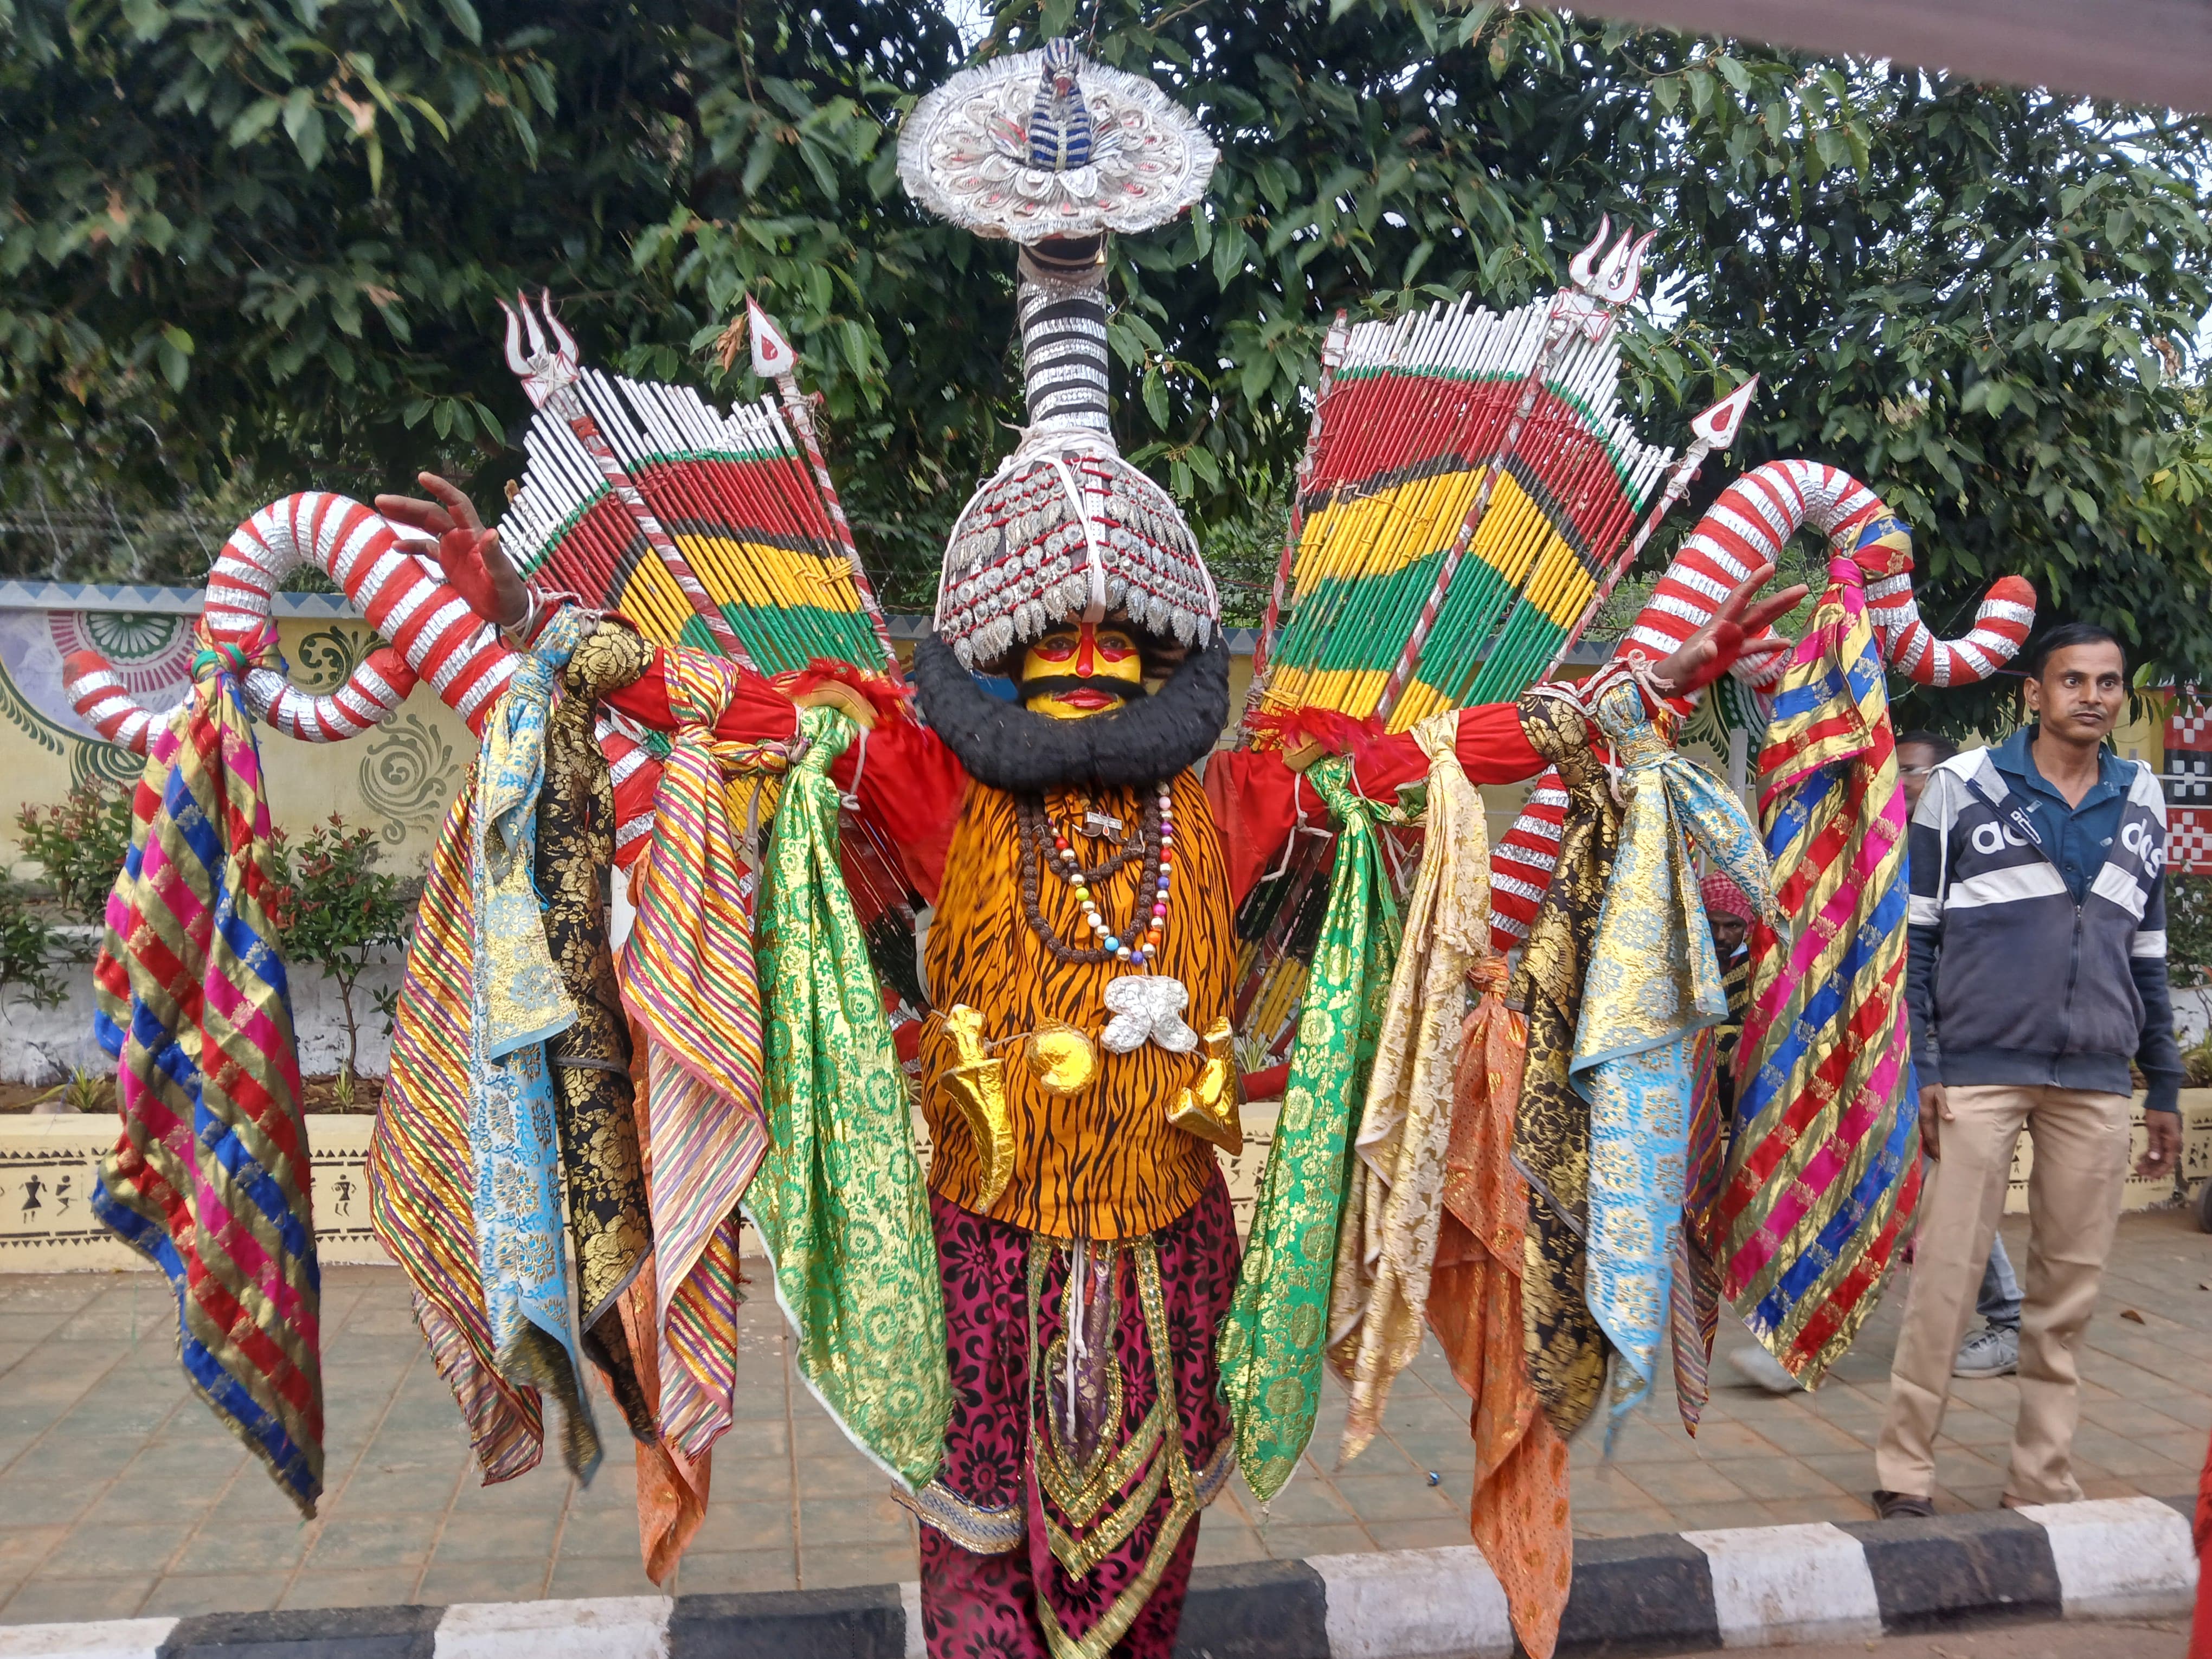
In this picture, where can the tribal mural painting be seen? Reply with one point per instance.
(398, 787)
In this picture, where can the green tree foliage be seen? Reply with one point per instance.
(273, 232)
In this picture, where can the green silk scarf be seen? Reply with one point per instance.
(1271, 1342)
(838, 1199)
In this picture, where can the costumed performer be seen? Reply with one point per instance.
(1077, 1070)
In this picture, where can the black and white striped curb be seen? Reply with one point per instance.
(1669, 1593)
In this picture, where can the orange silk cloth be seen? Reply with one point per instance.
(1102, 1163)
(1519, 1516)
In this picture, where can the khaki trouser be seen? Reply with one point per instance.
(2072, 1208)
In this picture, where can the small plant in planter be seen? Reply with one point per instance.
(86, 1091)
(80, 844)
(27, 951)
(332, 907)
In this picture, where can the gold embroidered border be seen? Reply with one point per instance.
(978, 1530)
(1115, 1623)
(1082, 1493)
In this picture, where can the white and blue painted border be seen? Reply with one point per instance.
(1669, 1593)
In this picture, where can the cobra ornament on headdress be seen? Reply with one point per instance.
(1050, 151)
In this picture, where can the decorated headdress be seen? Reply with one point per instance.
(1049, 151)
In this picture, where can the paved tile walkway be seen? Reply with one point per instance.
(120, 1494)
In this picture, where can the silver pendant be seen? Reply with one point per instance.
(1101, 825)
(1147, 1008)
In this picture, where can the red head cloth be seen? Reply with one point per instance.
(1721, 894)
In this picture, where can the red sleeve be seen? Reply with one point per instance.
(757, 713)
(1255, 797)
(911, 785)
(1492, 748)
(1254, 800)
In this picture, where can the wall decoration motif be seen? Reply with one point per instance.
(322, 659)
(409, 776)
(48, 1166)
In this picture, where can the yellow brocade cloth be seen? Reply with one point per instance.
(1565, 1349)
(1387, 1239)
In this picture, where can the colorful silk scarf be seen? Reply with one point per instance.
(838, 1199)
(1822, 1167)
(1271, 1343)
(688, 977)
(421, 1171)
(1387, 1241)
(1653, 980)
(516, 1002)
(610, 1230)
(1693, 1307)
(1519, 1515)
(210, 1179)
(1565, 1347)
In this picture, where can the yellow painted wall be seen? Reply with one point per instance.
(399, 779)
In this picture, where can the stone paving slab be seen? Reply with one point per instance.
(121, 1496)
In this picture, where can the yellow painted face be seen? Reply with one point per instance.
(1073, 672)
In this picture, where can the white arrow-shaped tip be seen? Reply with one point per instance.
(772, 354)
(1718, 425)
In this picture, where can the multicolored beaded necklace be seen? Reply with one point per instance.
(1153, 839)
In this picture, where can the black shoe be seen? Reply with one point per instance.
(1902, 1506)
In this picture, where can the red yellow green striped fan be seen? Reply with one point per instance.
(1469, 482)
(719, 532)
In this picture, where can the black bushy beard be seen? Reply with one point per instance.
(1059, 685)
(1024, 752)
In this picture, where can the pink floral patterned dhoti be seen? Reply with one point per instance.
(1063, 1521)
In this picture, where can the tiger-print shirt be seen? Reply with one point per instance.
(1102, 1163)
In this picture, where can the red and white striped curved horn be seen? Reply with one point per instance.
(1747, 527)
(1522, 862)
(370, 697)
(433, 635)
(2001, 628)
(636, 778)
(101, 700)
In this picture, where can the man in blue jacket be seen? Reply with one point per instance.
(2038, 970)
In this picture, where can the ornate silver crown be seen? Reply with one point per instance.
(1051, 152)
(1046, 144)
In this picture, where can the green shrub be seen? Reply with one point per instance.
(332, 907)
(80, 845)
(27, 946)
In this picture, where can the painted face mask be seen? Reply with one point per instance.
(1078, 670)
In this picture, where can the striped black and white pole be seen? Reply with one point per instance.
(1063, 305)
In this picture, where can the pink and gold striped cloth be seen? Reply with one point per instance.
(209, 1178)
(689, 980)
(1823, 1167)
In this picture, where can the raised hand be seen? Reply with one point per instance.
(468, 553)
(1705, 655)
